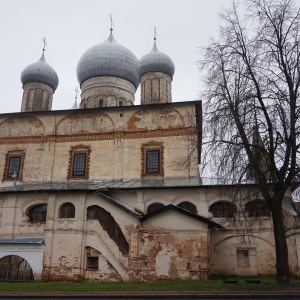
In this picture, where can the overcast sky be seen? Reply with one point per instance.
(73, 26)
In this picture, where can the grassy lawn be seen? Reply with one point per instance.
(268, 283)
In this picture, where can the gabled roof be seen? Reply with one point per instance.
(183, 211)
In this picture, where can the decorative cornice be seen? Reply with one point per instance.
(97, 136)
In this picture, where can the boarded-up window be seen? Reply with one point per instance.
(242, 258)
(109, 224)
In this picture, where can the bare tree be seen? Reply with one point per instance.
(252, 77)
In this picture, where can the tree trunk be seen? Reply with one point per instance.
(282, 272)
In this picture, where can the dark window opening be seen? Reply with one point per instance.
(79, 163)
(120, 103)
(38, 213)
(257, 209)
(154, 207)
(222, 210)
(15, 268)
(92, 263)
(67, 210)
(152, 161)
(188, 206)
(100, 103)
(14, 166)
(109, 224)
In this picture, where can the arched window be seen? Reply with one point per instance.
(109, 224)
(257, 208)
(188, 206)
(38, 213)
(154, 206)
(222, 209)
(15, 268)
(120, 103)
(67, 210)
(101, 103)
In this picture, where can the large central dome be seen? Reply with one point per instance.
(108, 59)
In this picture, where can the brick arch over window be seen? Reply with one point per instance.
(188, 206)
(109, 224)
(222, 209)
(257, 208)
(154, 206)
(67, 210)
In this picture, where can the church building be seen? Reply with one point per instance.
(111, 191)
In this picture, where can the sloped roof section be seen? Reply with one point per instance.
(119, 204)
(105, 185)
(183, 211)
(22, 241)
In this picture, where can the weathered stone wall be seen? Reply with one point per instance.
(166, 245)
(115, 137)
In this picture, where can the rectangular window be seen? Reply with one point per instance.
(92, 263)
(243, 258)
(14, 162)
(79, 162)
(152, 161)
(14, 166)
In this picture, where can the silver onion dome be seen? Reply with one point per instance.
(40, 72)
(156, 61)
(108, 59)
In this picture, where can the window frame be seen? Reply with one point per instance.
(8, 156)
(67, 215)
(154, 207)
(43, 212)
(189, 206)
(222, 209)
(145, 149)
(80, 149)
(257, 209)
(91, 266)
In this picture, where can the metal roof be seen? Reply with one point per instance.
(156, 61)
(184, 211)
(22, 241)
(120, 204)
(41, 72)
(108, 59)
(145, 183)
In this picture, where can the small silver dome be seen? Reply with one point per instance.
(108, 59)
(156, 61)
(40, 72)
